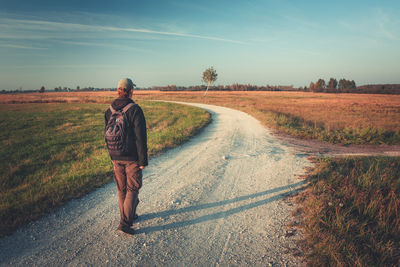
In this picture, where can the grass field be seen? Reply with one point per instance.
(336, 118)
(54, 152)
(351, 208)
(350, 212)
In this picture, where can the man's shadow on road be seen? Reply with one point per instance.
(217, 215)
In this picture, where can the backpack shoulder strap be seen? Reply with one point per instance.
(112, 110)
(125, 109)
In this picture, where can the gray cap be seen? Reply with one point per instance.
(126, 83)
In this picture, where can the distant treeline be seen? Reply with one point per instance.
(347, 86)
(333, 86)
(378, 89)
(233, 87)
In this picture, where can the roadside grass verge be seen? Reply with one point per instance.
(55, 152)
(299, 127)
(350, 212)
(172, 124)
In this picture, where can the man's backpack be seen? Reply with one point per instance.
(116, 132)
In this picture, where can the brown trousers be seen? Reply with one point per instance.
(128, 177)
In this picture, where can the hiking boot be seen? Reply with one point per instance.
(126, 230)
(135, 217)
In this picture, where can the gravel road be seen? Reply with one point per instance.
(219, 199)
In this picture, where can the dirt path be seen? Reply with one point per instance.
(217, 200)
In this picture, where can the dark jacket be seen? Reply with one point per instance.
(137, 122)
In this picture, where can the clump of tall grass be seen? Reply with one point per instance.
(351, 212)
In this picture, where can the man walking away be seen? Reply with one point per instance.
(126, 139)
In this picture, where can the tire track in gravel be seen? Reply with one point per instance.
(218, 199)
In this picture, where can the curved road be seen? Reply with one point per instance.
(219, 199)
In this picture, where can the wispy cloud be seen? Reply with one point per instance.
(62, 66)
(51, 26)
(124, 47)
(17, 46)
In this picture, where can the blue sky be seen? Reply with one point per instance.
(96, 43)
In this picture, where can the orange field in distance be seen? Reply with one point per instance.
(335, 111)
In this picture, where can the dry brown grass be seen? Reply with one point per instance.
(349, 212)
(333, 110)
(57, 97)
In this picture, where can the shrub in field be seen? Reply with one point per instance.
(351, 212)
